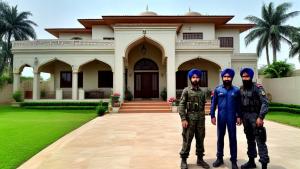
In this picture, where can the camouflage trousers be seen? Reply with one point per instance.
(249, 122)
(197, 128)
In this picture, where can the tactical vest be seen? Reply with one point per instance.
(194, 102)
(250, 100)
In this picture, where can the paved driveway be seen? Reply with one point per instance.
(153, 141)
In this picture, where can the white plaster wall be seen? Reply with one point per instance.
(230, 33)
(208, 30)
(99, 32)
(283, 90)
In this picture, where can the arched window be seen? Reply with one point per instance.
(145, 64)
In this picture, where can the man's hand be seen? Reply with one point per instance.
(238, 121)
(184, 123)
(259, 122)
(213, 121)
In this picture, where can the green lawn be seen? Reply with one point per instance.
(285, 118)
(25, 132)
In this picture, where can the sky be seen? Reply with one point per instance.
(64, 14)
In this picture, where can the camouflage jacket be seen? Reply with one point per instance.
(192, 103)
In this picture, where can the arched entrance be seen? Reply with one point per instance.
(146, 81)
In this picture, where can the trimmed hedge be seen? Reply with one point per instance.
(284, 105)
(63, 105)
(285, 109)
(25, 104)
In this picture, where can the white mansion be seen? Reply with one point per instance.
(143, 54)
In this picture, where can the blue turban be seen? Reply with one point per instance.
(229, 71)
(194, 72)
(247, 70)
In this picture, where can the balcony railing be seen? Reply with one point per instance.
(199, 44)
(57, 43)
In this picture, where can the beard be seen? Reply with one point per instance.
(195, 83)
(227, 83)
(247, 83)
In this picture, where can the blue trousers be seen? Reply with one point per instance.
(230, 123)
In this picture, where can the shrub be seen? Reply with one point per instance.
(163, 94)
(128, 95)
(279, 69)
(100, 109)
(17, 96)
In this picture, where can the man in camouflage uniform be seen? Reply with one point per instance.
(254, 108)
(191, 111)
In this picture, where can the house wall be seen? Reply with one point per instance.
(283, 90)
(230, 33)
(99, 32)
(208, 30)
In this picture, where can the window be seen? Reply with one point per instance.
(80, 79)
(105, 79)
(204, 79)
(108, 38)
(226, 42)
(194, 35)
(65, 79)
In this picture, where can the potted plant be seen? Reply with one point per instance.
(17, 96)
(115, 103)
(172, 101)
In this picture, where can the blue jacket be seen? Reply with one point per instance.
(228, 101)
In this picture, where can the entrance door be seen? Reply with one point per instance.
(146, 85)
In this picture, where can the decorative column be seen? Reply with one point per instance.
(74, 83)
(16, 85)
(36, 86)
(171, 77)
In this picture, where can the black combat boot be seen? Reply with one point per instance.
(234, 165)
(183, 164)
(218, 162)
(249, 164)
(264, 166)
(202, 163)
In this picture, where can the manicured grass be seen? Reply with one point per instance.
(285, 118)
(25, 132)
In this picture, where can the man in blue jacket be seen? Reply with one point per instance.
(227, 97)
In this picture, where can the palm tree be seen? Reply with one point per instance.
(14, 26)
(295, 46)
(270, 29)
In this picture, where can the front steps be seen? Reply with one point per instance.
(151, 107)
(145, 107)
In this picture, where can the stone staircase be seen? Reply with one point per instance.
(148, 106)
